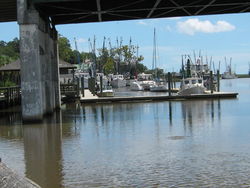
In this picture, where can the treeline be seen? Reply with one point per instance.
(122, 59)
(9, 51)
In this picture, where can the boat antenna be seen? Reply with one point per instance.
(194, 57)
(182, 67)
(103, 51)
(213, 66)
(219, 66)
(210, 63)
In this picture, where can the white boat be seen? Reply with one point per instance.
(193, 85)
(158, 87)
(228, 75)
(118, 81)
(136, 86)
(147, 84)
(86, 77)
(106, 92)
(104, 79)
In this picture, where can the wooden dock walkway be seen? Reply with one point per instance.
(10, 179)
(215, 95)
(10, 96)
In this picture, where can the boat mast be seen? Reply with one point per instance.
(77, 52)
(154, 52)
(103, 56)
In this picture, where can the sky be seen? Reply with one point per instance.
(218, 37)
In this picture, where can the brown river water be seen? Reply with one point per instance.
(196, 143)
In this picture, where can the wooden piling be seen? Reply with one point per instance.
(78, 87)
(169, 83)
(218, 80)
(101, 84)
(211, 82)
(82, 84)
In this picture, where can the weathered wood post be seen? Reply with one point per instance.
(218, 80)
(78, 87)
(101, 83)
(174, 80)
(82, 84)
(211, 82)
(169, 83)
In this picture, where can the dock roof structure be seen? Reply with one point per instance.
(83, 11)
(15, 66)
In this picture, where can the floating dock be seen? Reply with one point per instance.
(215, 95)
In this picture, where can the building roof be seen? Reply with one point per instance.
(15, 66)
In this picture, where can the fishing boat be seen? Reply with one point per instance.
(229, 74)
(136, 86)
(193, 85)
(118, 81)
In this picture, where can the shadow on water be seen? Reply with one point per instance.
(43, 151)
(41, 145)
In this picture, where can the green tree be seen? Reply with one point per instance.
(65, 51)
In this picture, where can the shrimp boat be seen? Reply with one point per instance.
(193, 85)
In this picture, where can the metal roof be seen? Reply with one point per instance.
(82, 11)
(15, 66)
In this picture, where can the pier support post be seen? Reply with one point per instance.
(39, 63)
(218, 80)
(82, 85)
(211, 82)
(169, 84)
(101, 84)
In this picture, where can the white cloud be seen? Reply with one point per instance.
(142, 22)
(192, 26)
(172, 18)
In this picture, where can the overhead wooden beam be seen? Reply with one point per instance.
(181, 7)
(245, 9)
(203, 8)
(153, 9)
(98, 3)
(52, 1)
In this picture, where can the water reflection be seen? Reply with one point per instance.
(200, 112)
(42, 151)
(147, 144)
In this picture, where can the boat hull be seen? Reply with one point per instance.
(135, 86)
(106, 94)
(117, 83)
(192, 90)
(158, 88)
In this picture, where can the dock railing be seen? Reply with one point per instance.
(10, 95)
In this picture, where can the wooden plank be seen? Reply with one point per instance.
(159, 98)
(10, 179)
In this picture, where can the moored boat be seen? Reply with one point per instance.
(193, 85)
(118, 81)
(136, 86)
(158, 87)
